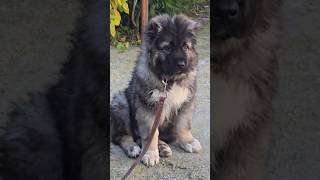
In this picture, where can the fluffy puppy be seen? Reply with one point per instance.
(168, 54)
(244, 83)
(61, 134)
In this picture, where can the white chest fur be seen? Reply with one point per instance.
(231, 102)
(177, 95)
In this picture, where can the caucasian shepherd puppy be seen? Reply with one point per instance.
(245, 80)
(168, 54)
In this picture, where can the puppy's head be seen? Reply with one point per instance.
(236, 22)
(170, 45)
(239, 18)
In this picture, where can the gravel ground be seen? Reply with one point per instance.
(181, 165)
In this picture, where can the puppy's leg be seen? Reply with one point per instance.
(164, 149)
(244, 157)
(128, 145)
(120, 125)
(183, 129)
(145, 120)
(151, 157)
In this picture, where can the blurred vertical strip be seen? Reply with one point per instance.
(144, 16)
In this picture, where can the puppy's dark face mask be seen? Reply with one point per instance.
(233, 18)
(171, 45)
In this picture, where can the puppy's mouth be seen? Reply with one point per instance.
(181, 71)
(176, 75)
(171, 75)
(222, 29)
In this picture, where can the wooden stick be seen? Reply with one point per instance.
(144, 16)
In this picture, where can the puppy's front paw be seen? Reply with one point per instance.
(164, 149)
(133, 150)
(151, 158)
(192, 147)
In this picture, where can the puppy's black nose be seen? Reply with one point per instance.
(181, 64)
(227, 9)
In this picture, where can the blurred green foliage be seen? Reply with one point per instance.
(128, 30)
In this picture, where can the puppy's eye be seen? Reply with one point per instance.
(166, 48)
(187, 45)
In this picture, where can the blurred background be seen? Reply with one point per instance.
(295, 146)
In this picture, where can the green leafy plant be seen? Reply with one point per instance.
(116, 7)
(172, 6)
(125, 26)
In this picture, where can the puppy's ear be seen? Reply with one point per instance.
(193, 26)
(187, 23)
(153, 29)
(156, 25)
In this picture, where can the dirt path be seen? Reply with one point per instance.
(181, 165)
(295, 150)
